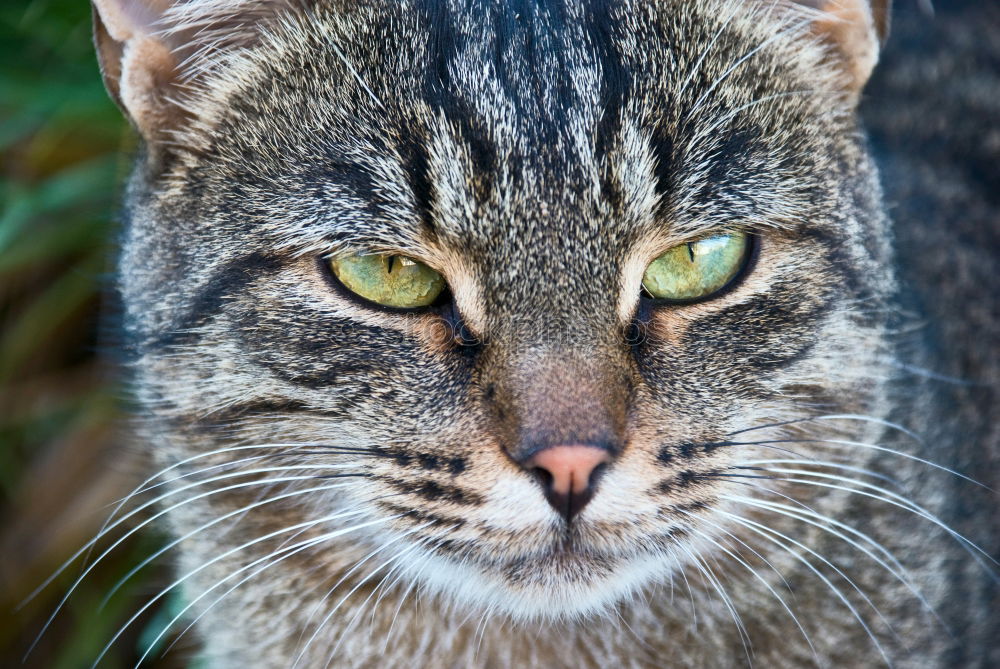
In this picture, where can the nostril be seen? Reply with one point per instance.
(544, 477)
(596, 474)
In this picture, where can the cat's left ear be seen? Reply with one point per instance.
(140, 62)
(153, 52)
(855, 29)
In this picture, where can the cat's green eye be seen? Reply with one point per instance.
(698, 269)
(389, 280)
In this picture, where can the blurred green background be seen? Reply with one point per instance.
(64, 151)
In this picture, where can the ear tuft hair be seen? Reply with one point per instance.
(855, 29)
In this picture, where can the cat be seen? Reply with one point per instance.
(540, 333)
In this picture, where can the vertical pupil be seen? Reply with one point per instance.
(389, 263)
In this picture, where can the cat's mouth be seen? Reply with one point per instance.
(562, 565)
(571, 548)
(570, 556)
(568, 579)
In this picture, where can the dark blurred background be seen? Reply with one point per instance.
(64, 151)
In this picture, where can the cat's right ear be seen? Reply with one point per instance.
(855, 30)
(140, 63)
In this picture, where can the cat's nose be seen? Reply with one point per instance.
(567, 474)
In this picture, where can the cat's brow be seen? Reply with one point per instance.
(348, 220)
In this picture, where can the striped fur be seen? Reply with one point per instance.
(539, 155)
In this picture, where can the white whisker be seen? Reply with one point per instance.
(402, 598)
(859, 444)
(792, 27)
(809, 511)
(756, 465)
(228, 553)
(708, 48)
(764, 531)
(901, 574)
(288, 550)
(361, 607)
(894, 499)
(138, 527)
(760, 578)
(333, 588)
(211, 523)
(836, 417)
(120, 503)
(695, 559)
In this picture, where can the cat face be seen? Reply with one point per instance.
(539, 158)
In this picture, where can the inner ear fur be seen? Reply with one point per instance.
(152, 52)
(140, 63)
(855, 29)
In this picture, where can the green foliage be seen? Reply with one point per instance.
(62, 143)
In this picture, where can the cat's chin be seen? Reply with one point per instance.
(558, 587)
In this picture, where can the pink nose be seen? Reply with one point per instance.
(567, 473)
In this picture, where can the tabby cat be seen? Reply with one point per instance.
(541, 333)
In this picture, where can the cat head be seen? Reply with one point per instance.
(547, 426)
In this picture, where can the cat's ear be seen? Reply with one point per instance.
(140, 62)
(855, 29)
(154, 52)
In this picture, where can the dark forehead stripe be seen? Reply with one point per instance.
(605, 34)
(522, 42)
(533, 87)
(529, 50)
(413, 151)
